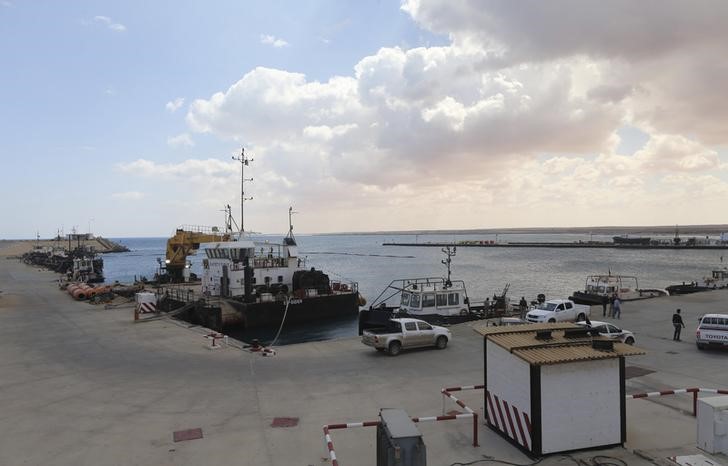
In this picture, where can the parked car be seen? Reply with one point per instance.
(712, 331)
(406, 333)
(610, 331)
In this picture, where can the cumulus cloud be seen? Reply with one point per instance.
(174, 105)
(273, 40)
(183, 139)
(513, 114)
(118, 27)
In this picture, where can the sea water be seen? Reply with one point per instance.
(555, 272)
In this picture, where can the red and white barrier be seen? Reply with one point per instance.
(678, 391)
(470, 414)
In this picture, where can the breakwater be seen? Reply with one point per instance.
(577, 245)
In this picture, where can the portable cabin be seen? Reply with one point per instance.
(553, 388)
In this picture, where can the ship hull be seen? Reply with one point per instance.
(236, 314)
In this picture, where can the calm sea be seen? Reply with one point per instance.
(486, 271)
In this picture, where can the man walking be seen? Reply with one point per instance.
(678, 323)
(617, 305)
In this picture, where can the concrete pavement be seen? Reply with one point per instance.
(83, 385)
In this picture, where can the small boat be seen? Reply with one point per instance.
(718, 279)
(433, 299)
(599, 289)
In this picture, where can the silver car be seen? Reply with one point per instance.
(610, 331)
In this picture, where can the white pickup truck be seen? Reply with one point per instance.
(406, 333)
(558, 310)
(712, 331)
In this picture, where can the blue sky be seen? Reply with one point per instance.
(356, 112)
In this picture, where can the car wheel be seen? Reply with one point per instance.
(629, 341)
(394, 348)
(581, 317)
(441, 342)
(551, 321)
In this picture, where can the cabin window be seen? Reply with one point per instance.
(611, 289)
(602, 290)
(569, 306)
(560, 307)
(267, 280)
(415, 301)
(453, 299)
(411, 326)
(428, 300)
(280, 278)
(424, 326)
(405, 299)
(441, 299)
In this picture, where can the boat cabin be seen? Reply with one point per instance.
(609, 285)
(271, 266)
(434, 296)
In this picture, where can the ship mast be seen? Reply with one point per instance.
(290, 237)
(449, 253)
(244, 161)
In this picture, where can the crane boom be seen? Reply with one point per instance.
(186, 241)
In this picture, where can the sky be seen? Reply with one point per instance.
(123, 118)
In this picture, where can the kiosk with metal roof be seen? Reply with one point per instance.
(552, 388)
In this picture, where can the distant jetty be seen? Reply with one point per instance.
(577, 244)
(97, 244)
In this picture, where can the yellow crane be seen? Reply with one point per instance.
(186, 241)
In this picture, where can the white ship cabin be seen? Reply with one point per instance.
(423, 297)
(609, 285)
(273, 265)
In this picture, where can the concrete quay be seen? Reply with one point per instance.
(83, 385)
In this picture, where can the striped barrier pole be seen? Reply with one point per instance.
(679, 391)
(472, 413)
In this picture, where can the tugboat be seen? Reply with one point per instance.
(249, 284)
(432, 299)
(599, 288)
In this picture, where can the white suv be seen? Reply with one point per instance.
(712, 330)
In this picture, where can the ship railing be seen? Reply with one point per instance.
(210, 230)
(178, 293)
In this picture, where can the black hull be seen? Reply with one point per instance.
(235, 314)
(687, 289)
(374, 318)
(579, 297)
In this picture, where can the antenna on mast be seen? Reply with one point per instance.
(450, 254)
(244, 161)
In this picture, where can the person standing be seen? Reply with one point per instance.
(605, 301)
(617, 306)
(678, 323)
(523, 305)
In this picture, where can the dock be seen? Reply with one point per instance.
(85, 385)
